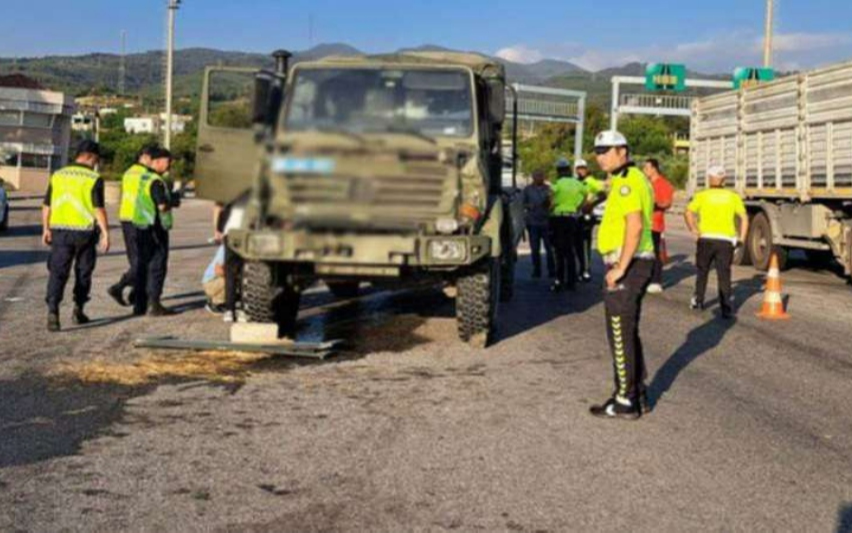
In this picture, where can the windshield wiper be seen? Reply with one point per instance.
(410, 131)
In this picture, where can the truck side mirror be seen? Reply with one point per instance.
(496, 101)
(261, 113)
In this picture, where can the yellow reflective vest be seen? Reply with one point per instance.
(71, 206)
(131, 182)
(146, 210)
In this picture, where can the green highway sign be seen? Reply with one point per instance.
(745, 77)
(665, 77)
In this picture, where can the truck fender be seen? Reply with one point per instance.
(771, 212)
(491, 227)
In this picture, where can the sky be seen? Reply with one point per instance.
(707, 35)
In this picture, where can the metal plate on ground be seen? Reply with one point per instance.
(303, 350)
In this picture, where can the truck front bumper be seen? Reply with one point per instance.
(352, 253)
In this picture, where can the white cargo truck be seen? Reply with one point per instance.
(788, 145)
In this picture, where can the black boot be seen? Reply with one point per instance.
(116, 293)
(79, 317)
(53, 322)
(155, 308)
(617, 409)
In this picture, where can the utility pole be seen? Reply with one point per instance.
(122, 66)
(767, 40)
(170, 51)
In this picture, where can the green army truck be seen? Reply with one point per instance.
(383, 169)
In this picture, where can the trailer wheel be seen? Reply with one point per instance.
(268, 302)
(761, 244)
(477, 301)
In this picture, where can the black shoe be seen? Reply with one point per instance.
(157, 309)
(116, 293)
(79, 317)
(556, 287)
(587, 277)
(696, 305)
(614, 408)
(53, 322)
(215, 309)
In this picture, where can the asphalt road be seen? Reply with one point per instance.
(409, 430)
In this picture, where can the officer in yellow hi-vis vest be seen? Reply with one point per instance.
(132, 181)
(74, 221)
(153, 221)
(627, 247)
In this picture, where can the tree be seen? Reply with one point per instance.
(648, 136)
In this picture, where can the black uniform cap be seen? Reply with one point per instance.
(158, 152)
(88, 147)
(148, 150)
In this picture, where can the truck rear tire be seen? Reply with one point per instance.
(266, 302)
(345, 290)
(761, 244)
(477, 302)
(742, 254)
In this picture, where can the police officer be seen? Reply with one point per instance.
(715, 231)
(568, 197)
(626, 245)
(596, 195)
(153, 221)
(134, 179)
(74, 221)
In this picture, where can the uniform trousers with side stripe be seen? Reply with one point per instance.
(623, 306)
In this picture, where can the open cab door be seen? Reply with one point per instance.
(226, 153)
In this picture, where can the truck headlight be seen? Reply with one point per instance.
(265, 244)
(447, 226)
(453, 251)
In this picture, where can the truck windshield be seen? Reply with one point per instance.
(435, 103)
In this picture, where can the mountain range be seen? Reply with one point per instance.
(144, 71)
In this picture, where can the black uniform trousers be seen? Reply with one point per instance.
(77, 249)
(233, 278)
(128, 230)
(565, 236)
(152, 249)
(623, 306)
(657, 276)
(587, 226)
(722, 254)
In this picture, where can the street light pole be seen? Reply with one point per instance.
(767, 40)
(170, 50)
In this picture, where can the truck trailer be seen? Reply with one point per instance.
(788, 145)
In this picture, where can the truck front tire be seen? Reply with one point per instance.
(268, 302)
(477, 301)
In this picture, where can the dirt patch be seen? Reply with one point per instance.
(221, 367)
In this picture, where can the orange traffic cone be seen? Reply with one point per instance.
(773, 303)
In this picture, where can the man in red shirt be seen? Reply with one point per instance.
(663, 198)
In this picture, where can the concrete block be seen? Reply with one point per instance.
(245, 333)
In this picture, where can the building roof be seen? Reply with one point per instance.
(19, 81)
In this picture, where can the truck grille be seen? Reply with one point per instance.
(419, 195)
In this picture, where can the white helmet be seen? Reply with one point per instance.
(563, 163)
(716, 171)
(609, 139)
(580, 163)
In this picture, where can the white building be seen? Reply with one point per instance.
(35, 133)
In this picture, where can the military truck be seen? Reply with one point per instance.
(789, 146)
(383, 169)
